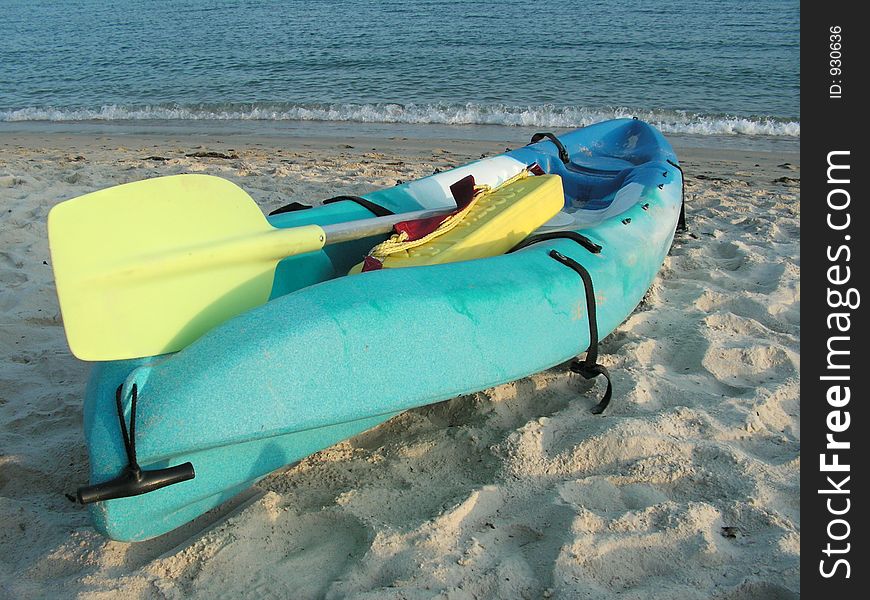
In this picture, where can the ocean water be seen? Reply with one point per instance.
(709, 67)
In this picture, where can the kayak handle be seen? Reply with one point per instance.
(133, 480)
(563, 151)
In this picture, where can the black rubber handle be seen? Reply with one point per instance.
(376, 209)
(133, 482)
(555, 235)
(563, 152)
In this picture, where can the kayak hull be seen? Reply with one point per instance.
(330, 356)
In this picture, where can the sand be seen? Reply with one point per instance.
(687, 488)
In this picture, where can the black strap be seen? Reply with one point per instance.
(129, 438)
(563, 152)
(292, 207)
(681, 223)
(554, 235)
(589, 367)
(376, 209)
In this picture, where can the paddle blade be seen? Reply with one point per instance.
(146, 268)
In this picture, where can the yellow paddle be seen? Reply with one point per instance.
(146, 268)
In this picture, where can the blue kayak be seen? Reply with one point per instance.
(331, 355)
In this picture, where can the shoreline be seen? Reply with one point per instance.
(341, 130)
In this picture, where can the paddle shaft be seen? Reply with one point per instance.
(354, 230)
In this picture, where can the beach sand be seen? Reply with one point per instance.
(686, 488)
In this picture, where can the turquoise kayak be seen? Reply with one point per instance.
(330, 355)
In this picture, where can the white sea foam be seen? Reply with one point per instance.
(443, 114)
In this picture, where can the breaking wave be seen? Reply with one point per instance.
(443, 114)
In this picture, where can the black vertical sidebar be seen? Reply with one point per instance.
(835, 347)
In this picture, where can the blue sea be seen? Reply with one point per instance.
(707, 68)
